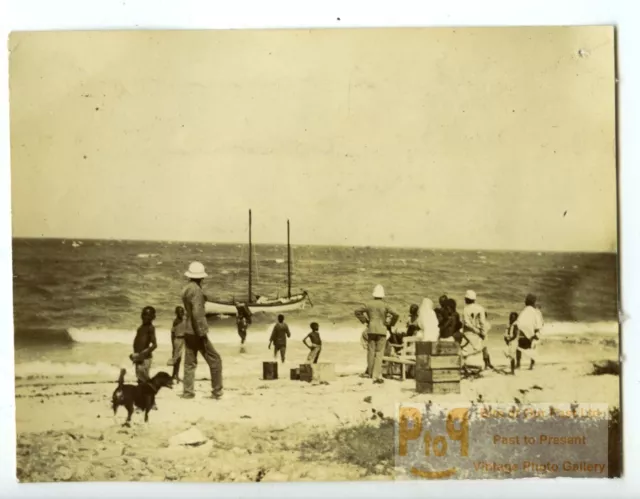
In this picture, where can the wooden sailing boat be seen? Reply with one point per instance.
(256, 304)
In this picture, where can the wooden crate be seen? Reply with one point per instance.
(322, 371)
(437, 375)
(442, 388)
(269, 370)
(438, 362)
(438, 367)
(306, 372)
(295, 373)
(437, 348)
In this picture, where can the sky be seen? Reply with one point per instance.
(476, 138)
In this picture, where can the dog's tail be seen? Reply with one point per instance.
(117, 394)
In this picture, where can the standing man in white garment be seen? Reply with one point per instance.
(475, 328)
(529, 324)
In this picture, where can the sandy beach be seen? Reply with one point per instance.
(279, 430)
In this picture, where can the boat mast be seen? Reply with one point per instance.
(249, 297)
(288, 260)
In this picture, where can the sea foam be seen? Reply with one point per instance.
(334, 334)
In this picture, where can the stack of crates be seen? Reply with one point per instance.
(438, 365)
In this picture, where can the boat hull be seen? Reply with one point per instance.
(273, 306)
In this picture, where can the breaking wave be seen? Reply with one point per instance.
(260, 333)
(48, 369)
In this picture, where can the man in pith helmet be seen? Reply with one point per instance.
(196, 334)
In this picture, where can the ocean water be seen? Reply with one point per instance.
(76, 300)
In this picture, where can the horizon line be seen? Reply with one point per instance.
(371, 246)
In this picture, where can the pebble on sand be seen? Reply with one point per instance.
(192, 436)
(275, 477)
(63, 474)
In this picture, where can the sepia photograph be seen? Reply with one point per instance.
(239, 254)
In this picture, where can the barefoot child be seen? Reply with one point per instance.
(316, 343)
(441, 311)
(279, 337)
(452, 324)
(413, 327)
(243, 319)
(144, 344)
(177, 342)
(511, 340)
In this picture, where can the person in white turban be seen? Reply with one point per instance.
(475, 328)
(428, 321)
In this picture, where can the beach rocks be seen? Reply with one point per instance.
(64, 442)
(192, 437)
(129, 451)
(194, 478)
(155, 470)
(379, 477)
(172, 475)
(153, 478)
(83, 471)
(62, 474)
(112, 451)
(238, 451)
(275, 476)
(220, 471)
(400, 473)
(241, 477)
(135, 465)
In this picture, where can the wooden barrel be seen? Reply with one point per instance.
(269, 370)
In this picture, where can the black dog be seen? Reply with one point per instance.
(142, 396)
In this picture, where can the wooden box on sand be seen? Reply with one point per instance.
(269, 370)
(438, 367)
(322, 371)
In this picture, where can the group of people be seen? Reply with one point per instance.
(523, 333)
(280, 333)
(190, 333)
(444, 323)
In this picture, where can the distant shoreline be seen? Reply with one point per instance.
(269, 244)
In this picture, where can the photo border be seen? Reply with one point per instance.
(201, 14)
